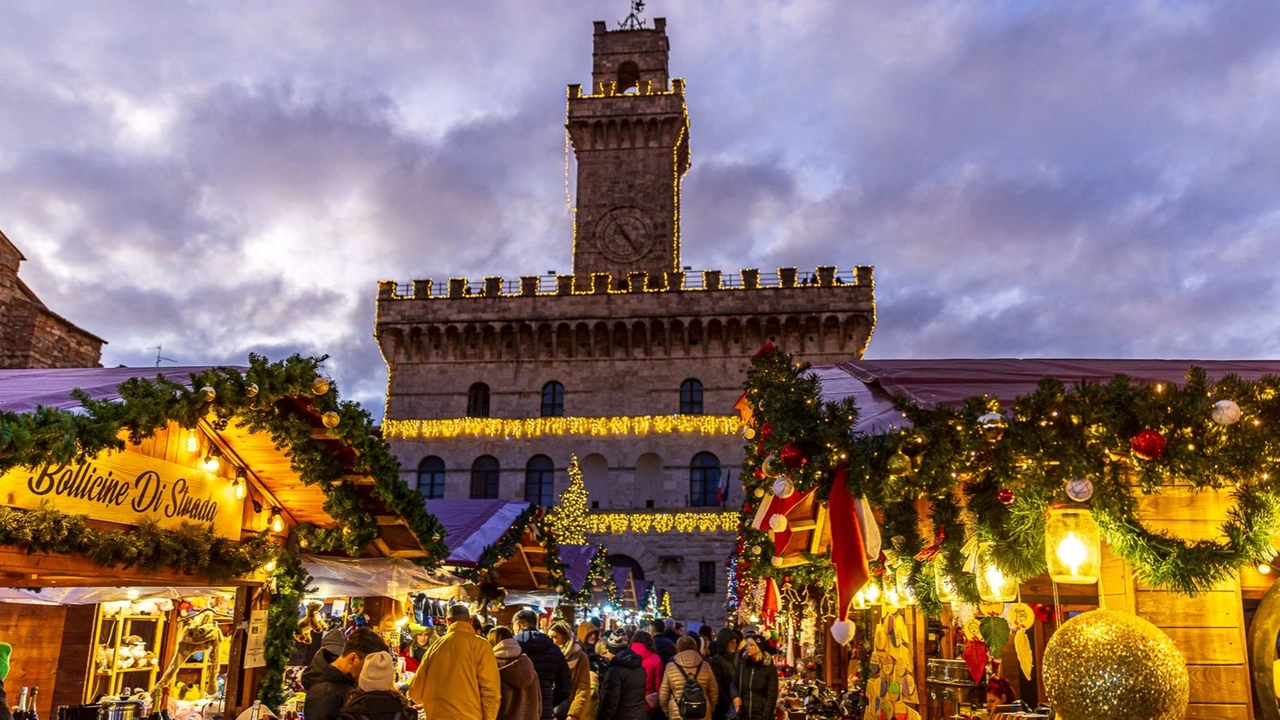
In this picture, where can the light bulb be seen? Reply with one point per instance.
(1264, 568)
(873, 592)
(1072, 552)
(193, 443)
(277, 521)
(995, 578)
(270, 566)
(211, 463)
(238, 485)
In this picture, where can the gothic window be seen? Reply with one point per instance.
(484, 478)
(539, 481)
(691, 397)
(704, 480)
(478, 400)
(431, 478)
(553, 399)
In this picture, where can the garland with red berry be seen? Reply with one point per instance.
(986, 471)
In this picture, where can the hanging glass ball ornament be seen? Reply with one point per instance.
(319, 386)
(330, 419)
(1148, 445)
(773, 467)
(783, 488)
(993, 425)
(898, 464)
(1226, 412)
(251, 390)
(208, 394)
(1080, 489)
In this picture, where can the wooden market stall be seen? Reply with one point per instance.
(963, 461)
(179, 493)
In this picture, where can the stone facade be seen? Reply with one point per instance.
(621, 336)
(32, 336)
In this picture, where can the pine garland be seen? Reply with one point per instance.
(1053, 435)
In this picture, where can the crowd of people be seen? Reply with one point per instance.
(567, 673)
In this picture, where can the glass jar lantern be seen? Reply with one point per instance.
(945, 586)
(993, 584)
(1072, 546)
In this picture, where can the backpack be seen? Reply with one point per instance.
(693, 702)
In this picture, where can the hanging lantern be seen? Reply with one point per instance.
(946, 587)
(1072, 546)
(893, 596)
(871, 592)
(993, 584)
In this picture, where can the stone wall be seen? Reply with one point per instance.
(32, 336)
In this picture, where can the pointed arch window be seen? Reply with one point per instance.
(431, 478)
(478, 400)
(553, 399)
(485, 472)
(691, 397)
(540, 481)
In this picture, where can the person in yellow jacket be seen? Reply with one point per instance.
(458, 677)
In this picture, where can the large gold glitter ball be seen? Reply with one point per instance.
(1110, 665)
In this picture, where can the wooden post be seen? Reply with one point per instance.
(239, 692)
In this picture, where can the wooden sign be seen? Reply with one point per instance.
(127, 487)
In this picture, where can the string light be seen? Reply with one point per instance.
(211, 460)
(569, 518)
(659, 522)
(545, 426)
(238, 485)
(277, 520)
(193, 442)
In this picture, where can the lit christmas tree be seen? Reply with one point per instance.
(569, 518)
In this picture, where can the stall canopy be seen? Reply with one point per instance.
(874, 383)
(364, 577)
(577, 561)
(474, 525)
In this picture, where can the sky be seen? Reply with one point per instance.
(1072, 178)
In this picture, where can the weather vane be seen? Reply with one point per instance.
(633, 21)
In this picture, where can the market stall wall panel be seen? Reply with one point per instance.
(35, 632)
(77, 648)
(1218, 712)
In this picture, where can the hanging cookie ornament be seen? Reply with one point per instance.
(993, 425)
(1148, 445)
(1080, 489)
(1226, 412)
(782, 487)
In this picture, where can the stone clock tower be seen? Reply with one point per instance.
(630, 135)
(629, 362)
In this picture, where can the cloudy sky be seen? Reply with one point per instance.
(1071, 178)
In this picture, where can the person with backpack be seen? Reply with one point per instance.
(521, 691)
(757, 682)
(688, 689)
(375, 696)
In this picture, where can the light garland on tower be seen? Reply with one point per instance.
(660, 522)
(545, 426)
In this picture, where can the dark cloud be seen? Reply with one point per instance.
(1063, 178)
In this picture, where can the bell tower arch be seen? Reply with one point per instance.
(630, 135)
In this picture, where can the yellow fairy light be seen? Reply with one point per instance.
(660, 522)
(545, 426)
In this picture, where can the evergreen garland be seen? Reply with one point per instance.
(960, 468)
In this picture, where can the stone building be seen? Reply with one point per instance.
(31, 335)
(630, 362)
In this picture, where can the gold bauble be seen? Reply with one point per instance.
(319, 386)
(330, 419)
(899, 464)
(773, 466)
(208, 394)
(1110, 665)
(993, 425)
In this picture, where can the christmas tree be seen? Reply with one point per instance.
(569, 518)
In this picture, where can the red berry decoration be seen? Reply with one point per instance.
(1148, 445)
(1006, 497)
(793, 456)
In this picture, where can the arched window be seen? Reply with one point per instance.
(704, 480)
(540, 481)
(431, 478)
(691, 397)
(553, 399)
(484, 478)
(478, 400)
(628, 76)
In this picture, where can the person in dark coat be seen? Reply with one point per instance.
(328, 684)
(757, 695)
(376, 698)
(553, 671)
(663, 645)
(724, 665)
(622, 689)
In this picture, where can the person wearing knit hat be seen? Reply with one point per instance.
(375, 697)
(332, 643)
(617, 641)
(622, 689)
(5, 650)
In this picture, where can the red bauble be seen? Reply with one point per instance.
(766, 431)
(759, 473)
(1148, 445)
(1006, 497)
(793, 456)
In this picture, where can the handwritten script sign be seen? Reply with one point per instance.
(126, 487)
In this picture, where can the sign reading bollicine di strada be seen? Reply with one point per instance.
(125, 488)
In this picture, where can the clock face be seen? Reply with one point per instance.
(625, 235)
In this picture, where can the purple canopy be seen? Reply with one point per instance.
(473, 525)
(620, 575)
(873, 383)
(577, 560)
(22, 390)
